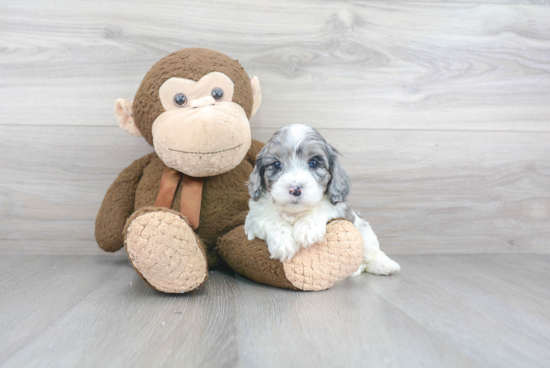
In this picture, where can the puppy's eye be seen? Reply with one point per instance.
(217, 93)
(180, 100)
(313, 163)
(277, 165)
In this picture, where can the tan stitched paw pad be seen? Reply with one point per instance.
(164, 250)
(325, 263)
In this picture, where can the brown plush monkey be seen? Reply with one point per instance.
(179, 211)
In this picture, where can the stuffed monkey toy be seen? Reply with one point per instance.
(180, 210)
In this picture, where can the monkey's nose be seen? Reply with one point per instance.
(200, 102)
(295, 190)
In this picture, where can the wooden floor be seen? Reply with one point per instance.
(440, 311)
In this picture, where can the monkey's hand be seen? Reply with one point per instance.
(117, 206)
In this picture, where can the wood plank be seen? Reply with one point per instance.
(451, 311)
(13, 260)
(39, 290)
(375, 65)
(53, 182)
(488, 320)
(423, 192)
(511, 2)
(123, 322)
(345, 326)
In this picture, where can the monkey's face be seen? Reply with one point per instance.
(193, 106)
(202, 132)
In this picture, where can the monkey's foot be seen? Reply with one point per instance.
(333, 259)
(315, 268)
(165, 251)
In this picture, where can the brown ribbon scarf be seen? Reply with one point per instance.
(191, 194)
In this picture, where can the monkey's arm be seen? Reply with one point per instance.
(255, 148)
(118, 205)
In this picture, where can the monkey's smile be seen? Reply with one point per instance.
(206, 153)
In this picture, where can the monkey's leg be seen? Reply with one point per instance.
(315, 268)
(165, 251)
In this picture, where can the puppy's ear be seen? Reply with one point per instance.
(340, 184)
(256, 180)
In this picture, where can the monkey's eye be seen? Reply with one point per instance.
(313, 163)
(180, 100)
(217, 93)
(277, 165)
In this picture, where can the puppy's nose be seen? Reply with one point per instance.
(295, 190)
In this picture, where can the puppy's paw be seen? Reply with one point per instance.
(379, 264)
(250, 235)
(359, 271)
(282, 247)
(252, 230)
(309, 232)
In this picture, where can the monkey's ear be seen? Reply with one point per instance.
(125, 117)
(256, 94)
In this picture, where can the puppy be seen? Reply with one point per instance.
(297, 186)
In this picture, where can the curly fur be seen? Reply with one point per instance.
(297, 186)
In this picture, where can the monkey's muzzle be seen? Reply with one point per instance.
(204, 141)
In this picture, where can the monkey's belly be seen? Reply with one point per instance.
(224, 201)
